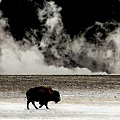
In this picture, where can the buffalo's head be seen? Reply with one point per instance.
(56, 96)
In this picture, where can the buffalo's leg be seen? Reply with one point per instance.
(34, 104)
(41, 104)
(46, 104)
(28, 104)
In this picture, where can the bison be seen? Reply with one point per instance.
(43, 95)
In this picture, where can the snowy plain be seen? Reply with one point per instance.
(15, 109)
(82, 98)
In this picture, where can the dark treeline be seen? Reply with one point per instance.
(76, 15)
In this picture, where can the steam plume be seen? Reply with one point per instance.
(95, 51)
(19, 58)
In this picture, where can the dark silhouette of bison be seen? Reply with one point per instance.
(43, 95)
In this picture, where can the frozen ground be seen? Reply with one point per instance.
(15, 109)
(82, 98)
(60, 112)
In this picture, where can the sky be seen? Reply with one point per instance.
(59, 37)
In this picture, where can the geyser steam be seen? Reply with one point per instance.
(96, 51)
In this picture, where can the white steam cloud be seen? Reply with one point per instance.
(59, 54)
(25, 59)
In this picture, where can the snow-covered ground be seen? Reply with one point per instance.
(14, 109)
(82, 98)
